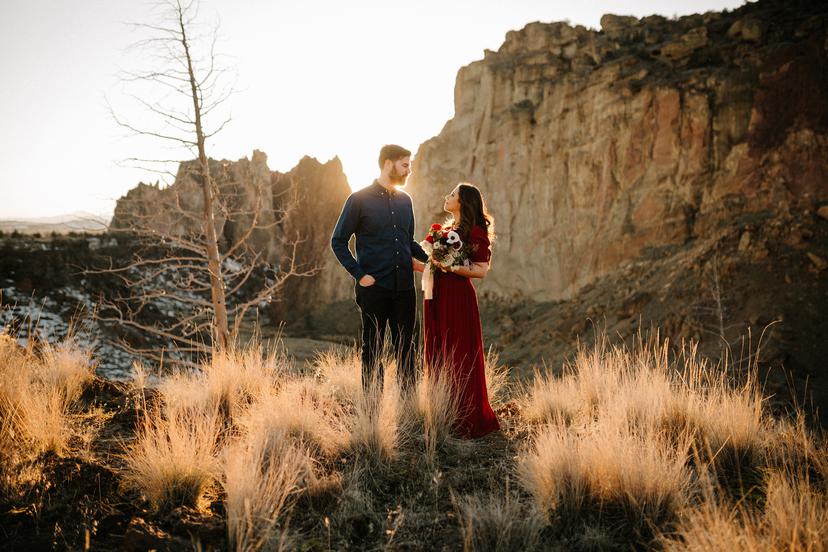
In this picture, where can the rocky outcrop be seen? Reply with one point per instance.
(176, 209)
(302, 205)
(318, 191)
(594, 146)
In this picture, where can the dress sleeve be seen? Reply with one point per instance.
(480, 247)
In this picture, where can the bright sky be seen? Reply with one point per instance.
(315, 77)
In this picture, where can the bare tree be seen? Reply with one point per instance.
(189, 258)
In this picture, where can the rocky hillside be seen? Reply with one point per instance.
(593, 146)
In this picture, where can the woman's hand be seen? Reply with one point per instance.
(475, 270)
(417, 265)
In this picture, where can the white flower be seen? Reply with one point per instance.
(453, 238)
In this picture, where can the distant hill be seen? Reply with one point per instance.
(61, 224)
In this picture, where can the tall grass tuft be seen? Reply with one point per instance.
(435, 410)
(376, 425)
(497, 379)
(262, 475)
(230, 382)
(794, 518)
(605, 471)
(340, 371)
(617, 432)
(174, 457)
(791, 446)
(38, 393)
(498, 522)
(552, 399)
(678, 395)
(302, 410)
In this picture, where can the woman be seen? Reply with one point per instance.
(451, 320)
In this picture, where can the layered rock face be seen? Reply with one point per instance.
(591, 146)
(302, 204)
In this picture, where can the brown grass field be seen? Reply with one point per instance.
(643, 448)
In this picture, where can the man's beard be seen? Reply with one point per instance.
(395, 177)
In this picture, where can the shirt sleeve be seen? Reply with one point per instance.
(344, 229)
(417, 251)
(481, 251)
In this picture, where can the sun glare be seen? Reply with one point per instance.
(319, 78)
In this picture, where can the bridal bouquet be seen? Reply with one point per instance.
(445, 249)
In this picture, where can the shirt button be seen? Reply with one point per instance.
(392, 212)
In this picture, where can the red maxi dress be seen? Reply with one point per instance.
(453, 340)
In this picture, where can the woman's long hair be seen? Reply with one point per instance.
(473, 212)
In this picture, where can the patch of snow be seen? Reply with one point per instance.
(231, 265)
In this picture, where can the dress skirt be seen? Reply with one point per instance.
(453, 341)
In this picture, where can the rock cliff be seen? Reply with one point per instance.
(593, 146)
(310, 196)
(319, 191)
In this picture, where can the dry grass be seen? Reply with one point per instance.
(38, 393)
(683, 396)
(376, 424)
(174, 457)
(341, 373)
(621, 445)
(618, 433)
(627, 448)
(791, 447)
(435, 410)
(605, 470)
(261, 478)
(230, 382)
(301, 409)
(382, 421)
(140, 377)
(498, 522)
(635, 433)
(497, 379)
(551, 399)
(794, 518)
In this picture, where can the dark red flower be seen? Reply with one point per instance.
(436, 227)
(430, 238)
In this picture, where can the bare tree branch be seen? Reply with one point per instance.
(189, 262)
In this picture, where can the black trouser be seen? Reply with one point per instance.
(380, 307)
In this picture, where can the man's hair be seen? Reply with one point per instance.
(393, 153)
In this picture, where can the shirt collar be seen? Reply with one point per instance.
(380, 190)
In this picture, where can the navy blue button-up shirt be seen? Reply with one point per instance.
(383, 223)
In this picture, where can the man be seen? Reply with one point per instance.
(382, 218)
